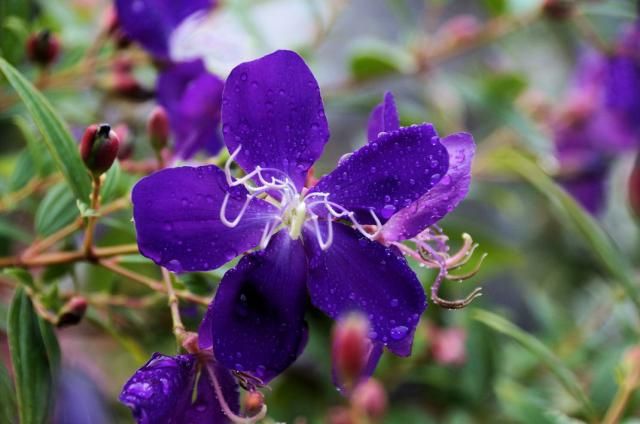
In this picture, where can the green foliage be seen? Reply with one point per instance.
(57, 210)
(35, 356)
(8, 409)
(55, 135)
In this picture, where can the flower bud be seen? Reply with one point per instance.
(634, 188)
(558, 9)
(158, 128)
(351, 349)
(72, 312)
(99, 148)
(253, 402)
(448, 346)
(370, 398)
(43, 48)
(340, 415)
(126, 146)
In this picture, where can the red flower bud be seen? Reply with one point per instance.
(99, 148)
(370, 398)
(351, 348)
(634, 188)
(448, 346)
(558, 9)
(253, 402)
(158, 128)
(72, 312)
(43, 48)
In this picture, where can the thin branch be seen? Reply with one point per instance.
(178, 327)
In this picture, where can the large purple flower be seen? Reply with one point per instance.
(599, 119)
(181, 389)
(190, 94)
(316, 244)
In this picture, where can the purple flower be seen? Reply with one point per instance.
(318, 244)
(181, 389)
(192, 97)
(190, 94)
(599, 119)
(152, 22)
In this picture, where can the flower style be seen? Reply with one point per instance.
(599, 119)
(190, 94)
(188, 388)
(318, 243)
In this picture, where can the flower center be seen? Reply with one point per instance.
(295, 209)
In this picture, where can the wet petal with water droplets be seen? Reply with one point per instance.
(192, 97)
(161, 391)
(257, 317)
(272, 107)
(383, 118)
(442, 198)
(357, 274)
(151, 22)
(177, 218)
(387, 174)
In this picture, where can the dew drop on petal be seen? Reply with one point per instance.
(399, 332)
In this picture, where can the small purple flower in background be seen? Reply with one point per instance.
(319, 243)
(190, 94)
(599, 119)
(179, 389)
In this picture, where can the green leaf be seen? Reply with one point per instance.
(35, 357)
(587, 227)
(111, 185)
(33, 145)
(8, 408)
(11, 231)
(374, 59)
(23, 171)
(56, 136)
(21, 275)
(540, 351)
(56, 210)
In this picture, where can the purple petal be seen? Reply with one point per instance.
(588, 188)
(357, 274)
(161, 391)
(258, 311)
(387, 174)
(383, 118)
(205, 408)
(177, 218)
(151, 22)
(272, 107)
(442, 198)
(161, 388)
(192, 97)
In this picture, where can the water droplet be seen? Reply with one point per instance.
(387, 211)
(243, 76)
(435, 178)
(394, 302)
(399, 332)
(446, 180)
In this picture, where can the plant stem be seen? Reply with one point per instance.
(150, 282)
(87, 246)
(178, 327)
(627, 387)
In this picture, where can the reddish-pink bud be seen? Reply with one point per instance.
(370, 398)
(460, 28)
(448, 346)
(99, 148)
(72, 312)
(43, 48)
(126, 146)
(351, 348)
(158, 128)
(340, 415)
(634, 188)
(253, 402)
(558, 9)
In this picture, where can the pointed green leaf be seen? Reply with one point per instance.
(55, 134)
(56, 210)
(35, 357)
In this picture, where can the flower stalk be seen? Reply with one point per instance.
(87, 246)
